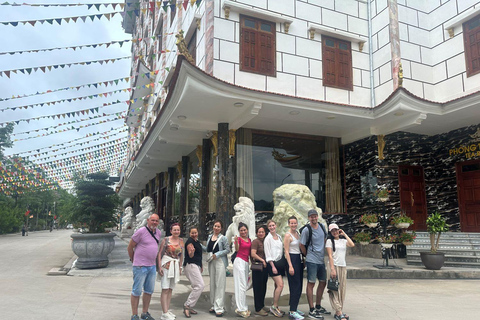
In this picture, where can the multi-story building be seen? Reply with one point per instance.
(338, 95)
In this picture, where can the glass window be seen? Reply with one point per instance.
(193, 185)
(277, 160)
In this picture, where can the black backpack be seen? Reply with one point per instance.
(309, 239)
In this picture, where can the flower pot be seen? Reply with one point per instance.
(364, 243)
(432, 261)
(92, 249)
(402, 225)
(386, 245)
(407, 243)
(372, 225)
(385, 199)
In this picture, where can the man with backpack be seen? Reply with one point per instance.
(312, 245)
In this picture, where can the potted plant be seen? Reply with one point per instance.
(370, 220)
(387, 241)
(382, 194)
(402, 221)
(407, 238)
(436, 224)
(363, 238)
(95, 206)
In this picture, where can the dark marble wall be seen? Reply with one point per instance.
(430, 152)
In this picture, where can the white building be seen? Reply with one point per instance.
(292, 91)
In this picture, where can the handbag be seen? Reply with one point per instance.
(332, 284)
(256, 266)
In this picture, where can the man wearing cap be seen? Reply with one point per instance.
(314, 251)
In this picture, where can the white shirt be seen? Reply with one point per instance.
(294, 247)
(339, 253)
(273, 248)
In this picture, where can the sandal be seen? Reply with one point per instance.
(186, 312)
(192, 311)
(211, 310)
(218, 315)
(339, 317)
(346, 316)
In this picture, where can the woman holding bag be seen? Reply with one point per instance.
(259, 277)
(243, 246)
(337, 250)
(217, 249)
(291, 242)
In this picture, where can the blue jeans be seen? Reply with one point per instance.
(143, 278)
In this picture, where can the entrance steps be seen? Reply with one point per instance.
(461, 249)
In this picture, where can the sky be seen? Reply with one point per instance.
(26, 37)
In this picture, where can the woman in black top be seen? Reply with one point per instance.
(193, 271)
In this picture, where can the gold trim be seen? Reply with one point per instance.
(183, 48)
(198, 152)
(360, 46)
(199, 22)
(227, 12)
(231, 142)
(287, 26)
(179, 169)
(451, 32)
(400, 75)
(312, 34)
(381, 146)
(214, 139)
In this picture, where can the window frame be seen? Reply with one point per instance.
(348, 86)
(466, 45)
(258, 32)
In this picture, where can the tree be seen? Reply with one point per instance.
(96, 202)
(5, 141)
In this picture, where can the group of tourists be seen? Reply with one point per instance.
(267, 256)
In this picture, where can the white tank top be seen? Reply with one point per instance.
(294, 245)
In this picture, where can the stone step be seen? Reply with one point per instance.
(449, 264)
(443, 246)
(459, 252)
(452, 258)
(449, 235)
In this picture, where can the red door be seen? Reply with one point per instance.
(412, 195)
(468, 183)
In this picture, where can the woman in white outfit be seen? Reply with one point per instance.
(337, 250)
(217, 249)
(273, 247)
(170, 259)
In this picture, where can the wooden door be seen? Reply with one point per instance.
(468, 189)
(412, 195)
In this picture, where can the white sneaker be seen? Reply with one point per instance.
(171, 314)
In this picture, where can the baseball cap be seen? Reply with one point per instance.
(312, 212)
(333, 226)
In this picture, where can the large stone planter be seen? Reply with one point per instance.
(92, 249)
(432, 261)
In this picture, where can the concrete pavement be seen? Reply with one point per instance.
(28, 292)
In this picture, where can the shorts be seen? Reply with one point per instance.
(280, 265)
(167, 283)
(143, 278)
(316, 271)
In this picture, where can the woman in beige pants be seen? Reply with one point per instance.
(337, 250)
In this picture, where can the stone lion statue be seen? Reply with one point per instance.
(148, 207)
(127, 220)
(294, 200)
(244, 212)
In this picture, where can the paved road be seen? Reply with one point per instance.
(28, 293)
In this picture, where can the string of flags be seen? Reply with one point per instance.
(56, 66)
(101, 145)
(92, 17)
(89, 5)
(70, 122)
(118, 116)
(82, 163)
(107, 134)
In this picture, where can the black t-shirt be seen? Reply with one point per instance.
(197, 256)
(210, 247)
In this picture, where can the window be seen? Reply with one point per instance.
(257, 46)
(337, 63)
(471, 38)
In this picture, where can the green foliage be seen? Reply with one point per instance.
(5, 141)
(11, 218)
(362, 237)
(96, 202)
(368, 218)
(436, 224)
(402, 219)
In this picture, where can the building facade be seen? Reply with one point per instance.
(235, 98)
